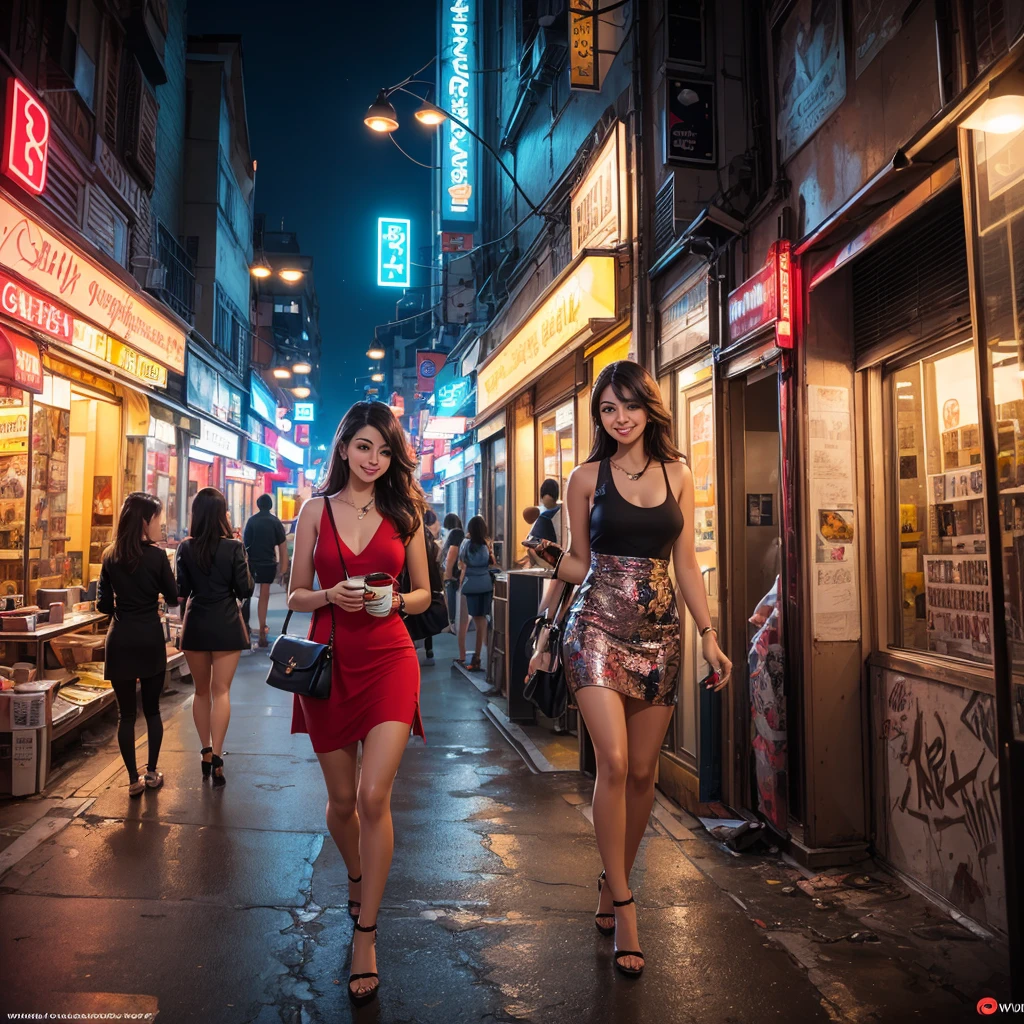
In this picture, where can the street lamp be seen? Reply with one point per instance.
(382, 117)
(301, 368)
(301, 392)
(377, 378)
(1002, 113)
(375, 352)
(261, 268)
(291, 276)
(281, 372)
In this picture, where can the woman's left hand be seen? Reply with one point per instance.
(714, 656)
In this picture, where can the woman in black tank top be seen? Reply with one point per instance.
(630, 509)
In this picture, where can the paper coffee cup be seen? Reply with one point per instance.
(381, 586)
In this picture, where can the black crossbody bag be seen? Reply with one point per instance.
(303, 666)
(546, 688)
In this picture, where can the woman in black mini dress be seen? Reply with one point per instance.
(213, 576)
(135, 573)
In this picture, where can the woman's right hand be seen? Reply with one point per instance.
(346, 598)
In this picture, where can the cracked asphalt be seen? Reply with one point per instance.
(228, 905)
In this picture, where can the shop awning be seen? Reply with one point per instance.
(20, 361)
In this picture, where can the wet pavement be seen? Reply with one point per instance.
(228, 905)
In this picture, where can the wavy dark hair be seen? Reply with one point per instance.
(209, 526)
(397, 494)
(137, 510)
(630, 380)
(476, 530)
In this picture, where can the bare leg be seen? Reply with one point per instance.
(604, 712)
(262, 604)
(646, 725)
(480, 621)
(200, 665)
(224, 665)
(463, 627)
(382, 753)
(340, 768)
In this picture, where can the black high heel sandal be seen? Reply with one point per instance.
(217, 768)
(632, 972)
(603, 928)
(353, 906)
(357, 999)
(207, 765)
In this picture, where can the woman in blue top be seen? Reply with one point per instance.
(475, 558)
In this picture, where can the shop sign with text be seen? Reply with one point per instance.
(451, 392)
(765, 299)
(261, 400)
(584, 70)
(21, 364)
(51, 265)
(261, 455)
(685, 323)
(304, 412)
(26, 137)
(427, 365)
(690, 122)
(586, 291)
(209, 392)
(240, 471)
(444, 427)
(459, 83)
(595, 201)
(456, 241)
(35, 310)
(105, 349)
(216, 440)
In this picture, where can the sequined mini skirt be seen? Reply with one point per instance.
(622, 630)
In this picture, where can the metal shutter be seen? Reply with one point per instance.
(917, 272)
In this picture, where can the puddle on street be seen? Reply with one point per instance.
(504, 846)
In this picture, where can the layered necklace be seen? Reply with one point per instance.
(632, 476)
(361, 509)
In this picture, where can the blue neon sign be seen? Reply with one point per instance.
(458, 70)
(393, 252)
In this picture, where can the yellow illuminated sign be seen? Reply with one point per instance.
(87, 338)
(586, 292)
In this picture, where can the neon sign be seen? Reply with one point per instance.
(393, 268)
(458, 67)
(765, 299)
(27, 127)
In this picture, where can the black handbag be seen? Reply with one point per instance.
(434, 620)
(303, 666)
(546, 688)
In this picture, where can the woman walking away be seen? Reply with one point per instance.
(450, 564)
(475, 559)
(630, 509)
(431, 532)
(213, 576)
(135, 573)
(361, 532)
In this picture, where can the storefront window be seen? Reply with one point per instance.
(558, 445)
(13, 490)
(943, 551)
(999, 226)
(73, 504)
(162, 481)
(496, 472)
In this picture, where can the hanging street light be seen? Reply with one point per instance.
(377, 378)
(291, 276)
(281, 372)
(381, 115)
(430, 115)
(375, 352)
(301, 392)
(261, 268)
(301, 368)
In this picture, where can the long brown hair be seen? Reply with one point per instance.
(630, 380)
(137, 510)
(397, 494)
(209, 526)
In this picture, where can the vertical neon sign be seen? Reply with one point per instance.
(458, 95)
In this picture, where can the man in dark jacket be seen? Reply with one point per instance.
(267, 547)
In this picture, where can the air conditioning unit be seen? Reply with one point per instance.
(156, 278)
(546, 56)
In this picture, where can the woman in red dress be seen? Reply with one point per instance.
(368, 520)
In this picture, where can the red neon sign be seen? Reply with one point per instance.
(28, 306)
(27, 131)
(765, 299)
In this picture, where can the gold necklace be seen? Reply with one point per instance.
(361, 509)
(632, 476)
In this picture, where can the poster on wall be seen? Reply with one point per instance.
(875, 22)
(835, 600)
(810, 70)
(690, 122)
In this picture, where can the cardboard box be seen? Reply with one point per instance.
(24, 762)
(27, 710)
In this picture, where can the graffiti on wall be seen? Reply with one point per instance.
(942, 791)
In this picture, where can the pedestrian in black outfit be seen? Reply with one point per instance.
(135, 573)
(431, 532)
(267, 547)
(213, 576)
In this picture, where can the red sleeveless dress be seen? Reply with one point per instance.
(376, 673)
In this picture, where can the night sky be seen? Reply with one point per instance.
(312, 67)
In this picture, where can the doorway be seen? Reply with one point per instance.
(759, 700)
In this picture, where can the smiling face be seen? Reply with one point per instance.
(368, 454)
(625, 419)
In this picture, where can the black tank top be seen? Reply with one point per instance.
(618, 527)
